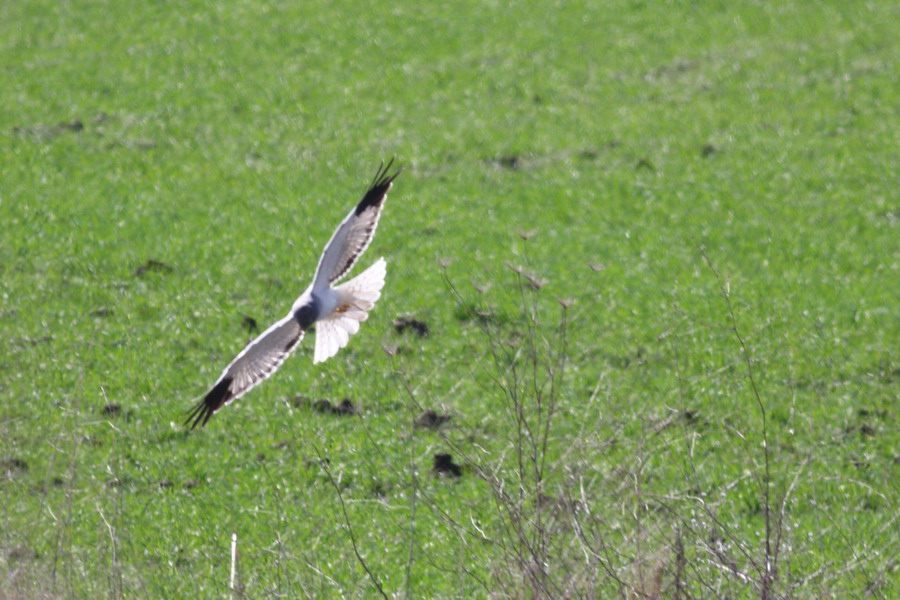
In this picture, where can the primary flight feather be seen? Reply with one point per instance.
(336, 311)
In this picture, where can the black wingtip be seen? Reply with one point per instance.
(379, 187)
(213, 401)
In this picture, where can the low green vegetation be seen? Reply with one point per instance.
(654, 245)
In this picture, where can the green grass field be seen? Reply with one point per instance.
(170, 168)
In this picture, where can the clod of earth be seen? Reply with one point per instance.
(345, 407)
(511, 162)
(250, 323)
(152, 265)
(111, 410)
(73, 125)
(47, 132)
(14, 464)
(401, 324)
(431, 420)
(444, 465)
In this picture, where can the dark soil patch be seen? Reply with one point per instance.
(509, 161)
(152, 266)
(111, 410)
(644, 163)
(431, 420)
(344, 407)
(708, 150)
(250, 323)
(403, 324)
(115, 411)
(13, 465)
(48, 132)
(444, 465)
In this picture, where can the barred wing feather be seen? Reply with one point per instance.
(355, 232)
(257, 361)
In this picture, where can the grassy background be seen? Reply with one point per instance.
(227, 140)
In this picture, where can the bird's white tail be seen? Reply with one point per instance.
(357, 298)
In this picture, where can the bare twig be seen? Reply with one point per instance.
(770, 573)
(359, 558)
(116, 582)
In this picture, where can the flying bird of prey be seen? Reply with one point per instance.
(335, 310)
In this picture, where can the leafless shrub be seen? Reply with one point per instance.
(571, 526)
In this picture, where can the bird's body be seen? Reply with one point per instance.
(336, 311)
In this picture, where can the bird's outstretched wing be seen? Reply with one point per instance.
(264, 355)
(358, 297)
(257, 361)
(355, 232)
